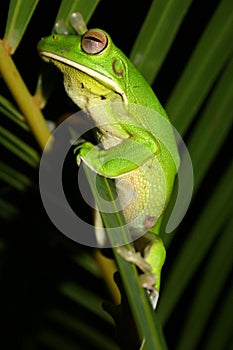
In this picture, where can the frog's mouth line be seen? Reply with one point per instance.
(96, 75)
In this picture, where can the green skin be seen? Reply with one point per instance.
(96, 72)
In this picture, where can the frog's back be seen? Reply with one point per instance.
(140, 92)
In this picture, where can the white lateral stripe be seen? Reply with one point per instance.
(87, 70)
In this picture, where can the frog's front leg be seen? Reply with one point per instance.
(120, 159)
(149, 259)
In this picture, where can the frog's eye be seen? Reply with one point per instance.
(94, 41)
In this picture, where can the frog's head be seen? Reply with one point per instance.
(93, 55)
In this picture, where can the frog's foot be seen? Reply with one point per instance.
(81, 150)
(148, 281)
(130, 255)
(154, 297)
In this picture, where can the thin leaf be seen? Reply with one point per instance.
(84, 330)
(146, 321)
(91, 301)
(199, 240)
(213, 279)
(221, 332)
(8, 109)
(210, 55)
(19, 147)
(210, 132)
(159, 29)
(20, 13)
(14, 178)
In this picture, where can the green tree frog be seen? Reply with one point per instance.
(101, 80)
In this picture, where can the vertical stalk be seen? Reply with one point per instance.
(23, 97)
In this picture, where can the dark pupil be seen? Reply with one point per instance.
(93, 38)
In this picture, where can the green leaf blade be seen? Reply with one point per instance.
(203, 67)
(200, 238)
(20, 13)
(156, 35)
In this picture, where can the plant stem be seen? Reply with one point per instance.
(23, 97)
